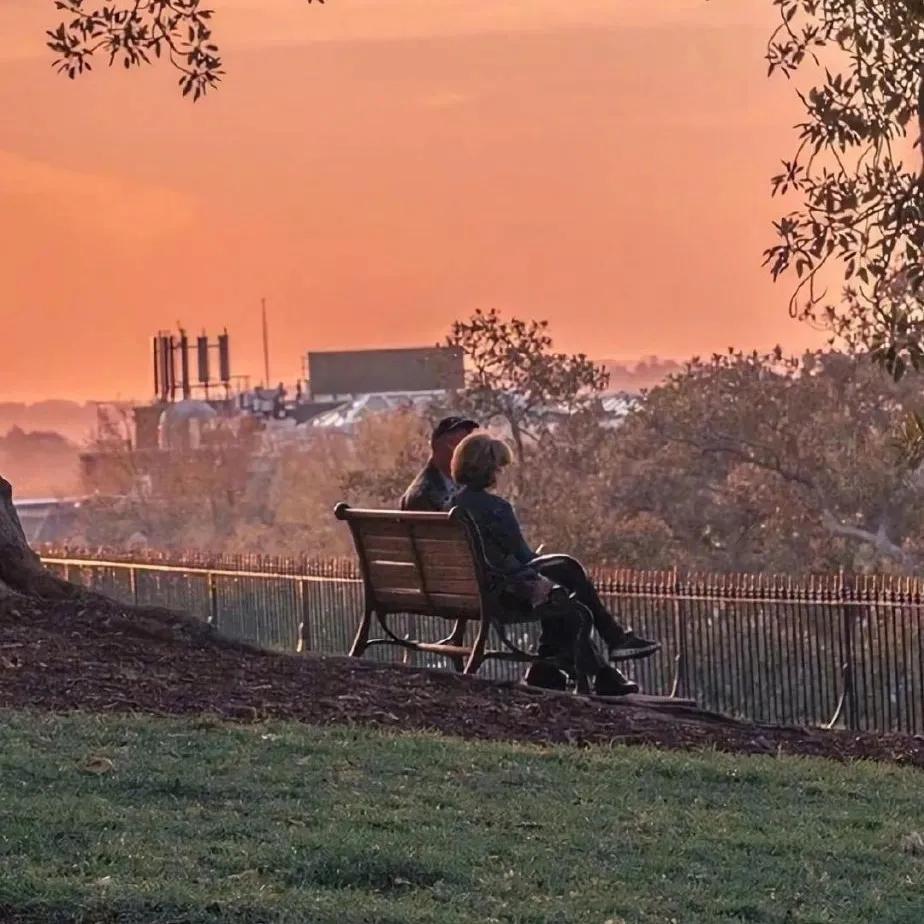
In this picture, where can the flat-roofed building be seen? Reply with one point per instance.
(343, 375)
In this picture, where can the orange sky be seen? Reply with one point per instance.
(376, 168)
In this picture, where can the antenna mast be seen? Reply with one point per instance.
(266, 368)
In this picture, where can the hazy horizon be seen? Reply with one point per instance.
(630, 365)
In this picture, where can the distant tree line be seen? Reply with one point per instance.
(739, 462)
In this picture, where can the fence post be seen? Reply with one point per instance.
(847, 705)
(304, 627)
(133, 584)
(678, 688)
(213, 600)
(850, 686)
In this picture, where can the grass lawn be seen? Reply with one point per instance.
(141, 819)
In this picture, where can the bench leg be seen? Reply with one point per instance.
(456, 637)
(477, 655)
(408, 656)
(362, 636)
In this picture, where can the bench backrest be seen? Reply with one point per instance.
(424, 563)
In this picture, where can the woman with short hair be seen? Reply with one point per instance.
(477, 463)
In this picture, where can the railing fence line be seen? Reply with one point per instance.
(837, 650)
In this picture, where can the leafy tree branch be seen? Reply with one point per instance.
(861, 213)
(132, 33)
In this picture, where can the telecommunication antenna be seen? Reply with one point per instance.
(172, 371)
(266, 366)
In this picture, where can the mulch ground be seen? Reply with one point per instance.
(91, 656)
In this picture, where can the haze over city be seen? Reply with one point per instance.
(378, 173)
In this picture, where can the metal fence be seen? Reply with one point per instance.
(825, 650)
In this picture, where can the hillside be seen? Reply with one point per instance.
(100, 657)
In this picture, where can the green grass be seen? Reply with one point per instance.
(200, 821)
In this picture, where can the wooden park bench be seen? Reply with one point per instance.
(426, 564)
(433, 564)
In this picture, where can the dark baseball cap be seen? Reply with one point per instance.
(451, 424)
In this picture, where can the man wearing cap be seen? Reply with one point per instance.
(433, 488)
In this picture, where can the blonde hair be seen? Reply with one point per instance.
(477, 460)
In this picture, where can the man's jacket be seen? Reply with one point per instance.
(428, 491)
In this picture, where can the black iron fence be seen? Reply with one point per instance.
(825, 650)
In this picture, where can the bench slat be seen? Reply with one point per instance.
(464, 603)
(436, 557)
(453, 583)
(451, 575)
(394, 575)
(369, 528)
(391, 556)
(425, 542)
(449, 606)
(436, 571)
(446, 529)
(387, 543)
(444, 550)
(464, 588)
(405, 575)
(440, 558)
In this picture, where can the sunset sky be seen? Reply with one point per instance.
(376, 168)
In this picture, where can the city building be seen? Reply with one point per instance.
(346, 375)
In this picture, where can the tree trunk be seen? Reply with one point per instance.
(21, 570)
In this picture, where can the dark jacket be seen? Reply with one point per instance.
(504, 545)
(428, 491)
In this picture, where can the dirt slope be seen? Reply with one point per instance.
(68, 656)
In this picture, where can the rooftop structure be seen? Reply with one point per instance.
(346, 415)
(341, 375)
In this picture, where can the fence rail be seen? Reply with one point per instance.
(824, 650)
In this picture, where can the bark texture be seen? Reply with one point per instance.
(21, 570)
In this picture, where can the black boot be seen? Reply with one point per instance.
(546, 676)
(612, 682)
(630, 646)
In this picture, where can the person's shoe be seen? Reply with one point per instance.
(612, 682)
(631, 646)
(546, 676)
